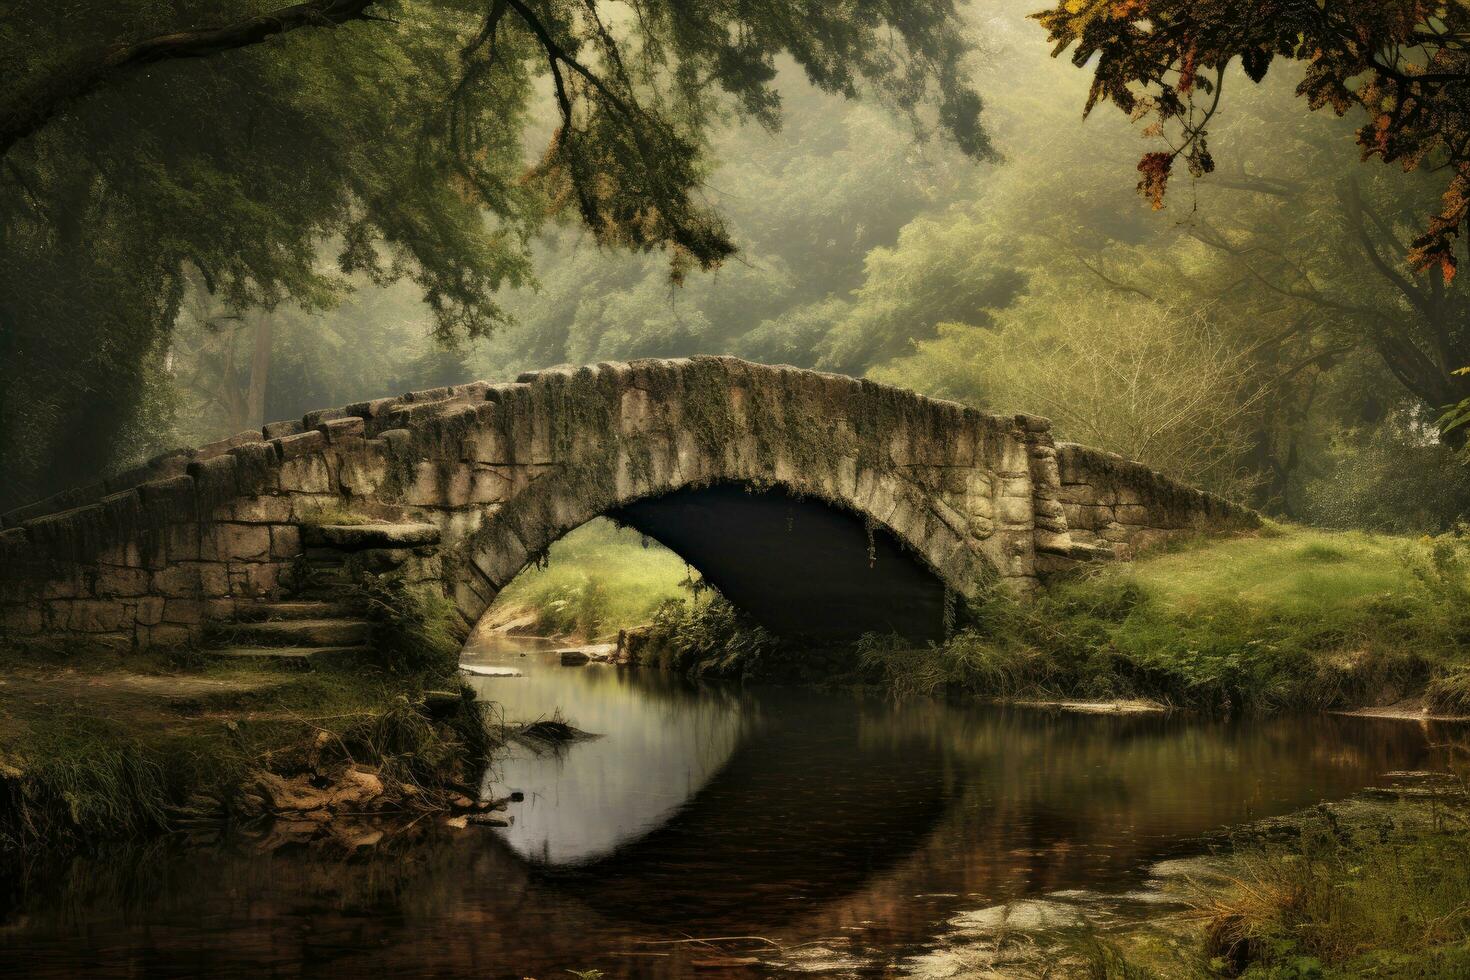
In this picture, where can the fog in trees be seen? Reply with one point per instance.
(342, 214)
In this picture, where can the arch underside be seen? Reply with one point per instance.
(798, 566)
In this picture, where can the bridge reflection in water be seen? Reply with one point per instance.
(856, 828)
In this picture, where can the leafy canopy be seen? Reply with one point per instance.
(1406, 63)
(269, 155)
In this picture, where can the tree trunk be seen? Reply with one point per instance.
(260, 364)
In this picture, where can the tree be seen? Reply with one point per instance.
(1155, 383)
(398, 139)
(1405, 63)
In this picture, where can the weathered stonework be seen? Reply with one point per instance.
(503, 470)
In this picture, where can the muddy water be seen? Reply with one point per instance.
(836, 835)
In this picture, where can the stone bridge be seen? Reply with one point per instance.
(820, 504)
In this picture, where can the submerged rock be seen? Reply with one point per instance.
(591, 653)
(489, 670)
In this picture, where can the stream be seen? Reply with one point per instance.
(719, 830)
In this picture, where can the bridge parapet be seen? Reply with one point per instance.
(151, 556)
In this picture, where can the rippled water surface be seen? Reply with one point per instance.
(849, 835)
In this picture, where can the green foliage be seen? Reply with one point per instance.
(386, 149)
(1122, 372)
(1302, 620)
(92, 783)
(706, 636)
(1361, 901)
(416, 628)
(137, 764)
(597, 580)
(1385, 479)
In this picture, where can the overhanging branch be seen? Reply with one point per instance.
(37, 100)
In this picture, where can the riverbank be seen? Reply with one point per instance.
(101, 748)
(1372, 886)
(1289, 619)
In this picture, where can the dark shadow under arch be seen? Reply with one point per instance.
(800, 567)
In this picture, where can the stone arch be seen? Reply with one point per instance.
(841, 572)
(634, 437)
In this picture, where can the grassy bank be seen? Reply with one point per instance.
(597, 580)
(94, 746)
(1375, 886)
(1288, 619)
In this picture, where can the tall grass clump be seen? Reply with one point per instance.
(416, 629)
(81, 781)
(1347, 901)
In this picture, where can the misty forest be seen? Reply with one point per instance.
(662, 488)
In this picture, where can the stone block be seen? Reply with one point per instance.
(343, 431)
(952, 518)
(1133, 514)
(186, 612)
(360, 474)
(150, 610)
(1044, 472)
(213, 579)
(1015, 511)
(285, 540)
(254, 579)
(1046, 507)
(439, 486)
(181, 542)
(22, 620)
(1013, 458)
(1053, 542)
(489, 486)
(275, 430)
(1013, 486)
(215, 479)
(97, 616)
(169, 635)
(301, 444)
(169, 500)
(240, 542)
(270, 509)
(316, 417)
(114, 580)
(67, 586)
(306, 474)
(177, 581)
(635, 411)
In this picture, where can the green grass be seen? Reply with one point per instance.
(1293, 619)
(598, 579)
(1314, 573)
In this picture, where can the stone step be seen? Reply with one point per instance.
(300, 632)
(1090, 552)
(290, 653)
(262, 611)
(360, 537)
(368, 559)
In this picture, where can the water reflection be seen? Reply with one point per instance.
(853, 827)
(658, 742)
